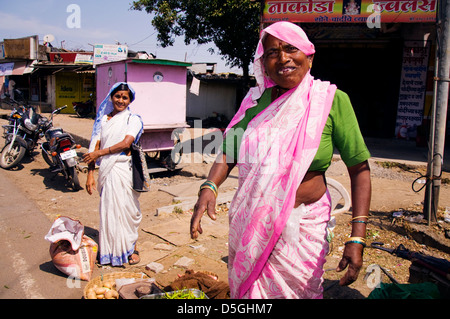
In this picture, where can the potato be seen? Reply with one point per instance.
(109, 284)
(101, 296)
(111, 294)
(91, 295)
(101, 291)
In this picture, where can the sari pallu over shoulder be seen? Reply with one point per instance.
(275, 154)
(113, 132)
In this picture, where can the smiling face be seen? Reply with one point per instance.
(120, 100)
(284, 63)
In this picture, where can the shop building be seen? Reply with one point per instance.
(46, 77)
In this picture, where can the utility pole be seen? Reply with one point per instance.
(439, 114)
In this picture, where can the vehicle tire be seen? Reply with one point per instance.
(47, 158)
(84, 112)
(9, 159)
(74, 178)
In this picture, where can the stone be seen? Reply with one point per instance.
(155, 267)
(184, 262)
(165, 247)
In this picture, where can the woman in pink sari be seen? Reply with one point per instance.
(282, 141)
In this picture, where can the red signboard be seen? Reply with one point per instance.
(350, 11)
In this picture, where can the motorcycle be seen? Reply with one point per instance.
(59, 152)
(84, 109)
(21, 135)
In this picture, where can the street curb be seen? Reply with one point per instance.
(84, 142)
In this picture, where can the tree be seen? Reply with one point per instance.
(232, 25)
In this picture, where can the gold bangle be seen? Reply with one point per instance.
(356, 242)
(357, 239)
(357, 217)
(207, 187)
(211, 183)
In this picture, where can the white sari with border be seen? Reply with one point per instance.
(120, 213)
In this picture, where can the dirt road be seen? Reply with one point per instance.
(392, 192)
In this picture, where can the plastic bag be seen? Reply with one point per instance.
(425, 290)
(72, 252)
(65, 228)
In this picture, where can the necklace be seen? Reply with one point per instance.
(277, 92)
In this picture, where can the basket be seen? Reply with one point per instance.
(112, 276)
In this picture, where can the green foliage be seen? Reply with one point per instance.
(232, 25)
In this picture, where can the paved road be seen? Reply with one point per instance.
(27, 271)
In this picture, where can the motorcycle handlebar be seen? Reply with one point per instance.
(60, 109)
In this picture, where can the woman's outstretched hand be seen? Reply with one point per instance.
(352, 259)
(206, 201)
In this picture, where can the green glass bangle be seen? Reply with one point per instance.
(359, 221)
(355, 242)
(210, 183)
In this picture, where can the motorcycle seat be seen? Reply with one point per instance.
(57, 133)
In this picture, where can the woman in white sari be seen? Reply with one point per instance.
(115, 129)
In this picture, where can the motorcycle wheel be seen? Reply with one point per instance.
(47, 158)
(9, 159)
(74, 179)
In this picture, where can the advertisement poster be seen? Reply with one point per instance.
(6, 68)
(2, 51)
(412, 88)
(109, 53)
(350, 11)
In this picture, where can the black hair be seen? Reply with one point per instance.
(123, 87)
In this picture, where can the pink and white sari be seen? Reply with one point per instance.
(276, 250)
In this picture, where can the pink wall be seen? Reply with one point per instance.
(162, 105)
(105, 81)
(159, 103)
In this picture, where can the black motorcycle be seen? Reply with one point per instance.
(59, 152)
(21, 135)
(84, 109)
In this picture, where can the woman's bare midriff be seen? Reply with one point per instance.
(311, 189)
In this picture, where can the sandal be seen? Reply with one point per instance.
(132, 261)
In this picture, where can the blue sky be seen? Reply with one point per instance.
(101, 21)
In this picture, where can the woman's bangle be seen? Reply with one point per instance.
(211, 183)
(359, 221)
(356, 242)
(358, 239)
(357, 217)
(208, 187)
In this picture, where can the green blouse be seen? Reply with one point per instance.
(341, 131)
